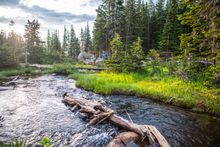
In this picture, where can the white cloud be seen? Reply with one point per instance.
(52, 14)
(72, 6)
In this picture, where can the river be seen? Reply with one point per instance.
(34, 109)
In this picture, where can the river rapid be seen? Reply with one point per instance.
(34, 109)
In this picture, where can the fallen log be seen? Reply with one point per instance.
(91, 68)
(126, 139)
(96, 112)
(12, 82)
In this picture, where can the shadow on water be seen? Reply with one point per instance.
(35, 110)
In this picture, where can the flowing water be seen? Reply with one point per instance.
(34, 109)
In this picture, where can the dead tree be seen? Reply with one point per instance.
(97, 113)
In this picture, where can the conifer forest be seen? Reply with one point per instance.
(110, 73)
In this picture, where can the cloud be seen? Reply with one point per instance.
(4, 19)
(17, 20)
(92, 3)
(9, 2)
(54, 16)
(50, 16)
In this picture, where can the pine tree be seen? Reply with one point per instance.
(130, 23)
(74, 49)
(48, 41)
(116, 46)
(170, 41)
(88, 42)
(10, 48)
(100, 36)
(151, 26)
(55, 43)
(65, 41)
(115, 62)
(160, 20)
(146, 36)
(141, 22)
(82, 39)
(154, 58)
(202, 40)
(2, 37)
(139, 19)
(110, 20)
(33, 41)
(137, 55)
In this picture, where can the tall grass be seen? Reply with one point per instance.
(171, 90)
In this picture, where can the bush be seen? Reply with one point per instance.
(153, 59)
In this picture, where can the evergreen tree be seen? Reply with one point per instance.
(74, 49)
(151, 26)
(160, 20)
(141, 22)
(115, 62)
(88, 42)
(100, 37)
(139, 19)
(65, 41)
(82, 39)
(146, 29)
(170, 37)
(116, 46)
(130, 23)
(48, 41)
(154, 60)
(137, 55)
(202, 40)
(55, 43)
(33, 41)
(11, 49)
(2, 37)
(110, 20)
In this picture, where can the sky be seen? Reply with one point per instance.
(51, 14)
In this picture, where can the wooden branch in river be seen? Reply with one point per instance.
(97, 113)
(91, 68)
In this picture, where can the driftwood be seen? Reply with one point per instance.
(91, 68)
(12, 82)
(97, 113)
(127, 139)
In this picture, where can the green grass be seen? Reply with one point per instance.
(18, 71)
(63, 69)
(14, 144)
(44, 142)
(170, 90)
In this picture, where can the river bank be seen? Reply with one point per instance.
(167, 89)
(34, 110)
(171, 90)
